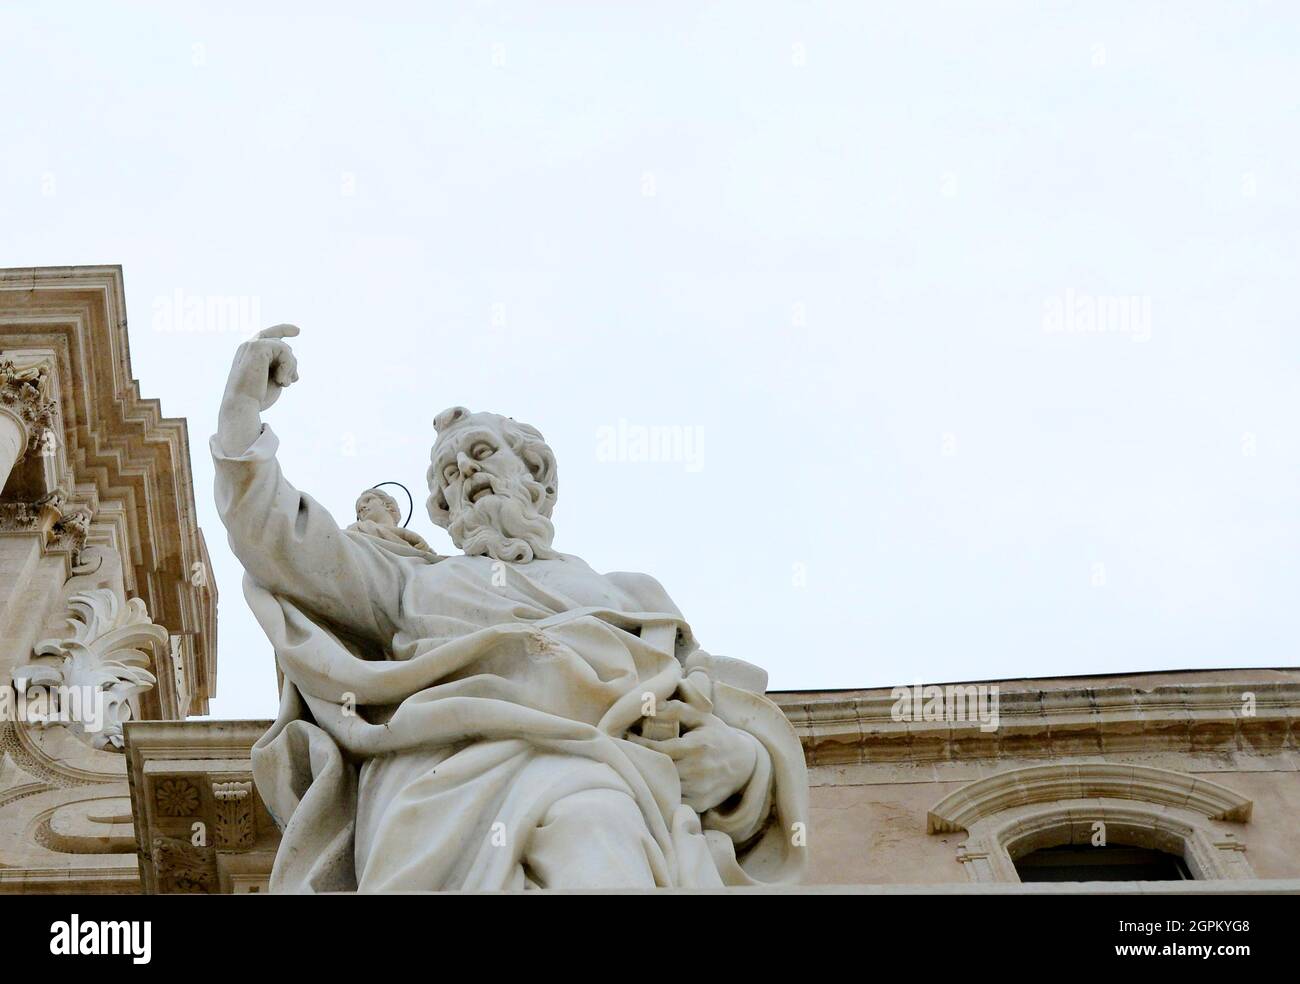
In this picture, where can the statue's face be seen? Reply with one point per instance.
(493, 501)
(377, 509)
(477, 464)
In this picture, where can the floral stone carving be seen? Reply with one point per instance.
(86, 679)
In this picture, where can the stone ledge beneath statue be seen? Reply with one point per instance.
(201, 827)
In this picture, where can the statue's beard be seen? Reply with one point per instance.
(505, 526)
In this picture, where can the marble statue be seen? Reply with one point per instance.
(506, 718)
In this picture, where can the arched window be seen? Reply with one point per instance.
(1048, 822)
(1106, 862)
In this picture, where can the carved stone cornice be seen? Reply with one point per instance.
(115, 453)
(1037, 720)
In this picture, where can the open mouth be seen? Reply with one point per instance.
(478, 487)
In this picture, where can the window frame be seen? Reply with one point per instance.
(1020, 810)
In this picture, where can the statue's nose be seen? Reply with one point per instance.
(467, 465)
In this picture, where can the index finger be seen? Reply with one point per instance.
(278, 331)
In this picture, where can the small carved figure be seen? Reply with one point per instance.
(379, 515)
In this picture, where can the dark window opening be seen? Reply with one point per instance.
(1082, 862)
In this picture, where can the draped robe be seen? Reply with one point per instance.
(432, 712)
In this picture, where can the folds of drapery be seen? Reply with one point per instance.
(307, 766)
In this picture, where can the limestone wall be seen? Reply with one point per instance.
(875, 781)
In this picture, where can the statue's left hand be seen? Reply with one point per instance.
(262, 368)
(714, 760)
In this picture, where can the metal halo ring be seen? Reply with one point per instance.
(411, 510)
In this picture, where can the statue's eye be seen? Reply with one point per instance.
(482, 450)
(449, 474)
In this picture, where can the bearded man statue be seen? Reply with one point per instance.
(502, 719)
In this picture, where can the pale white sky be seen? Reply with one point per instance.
(849, 249)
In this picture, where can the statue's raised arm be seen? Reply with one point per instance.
(289, 544)
(264, 367)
